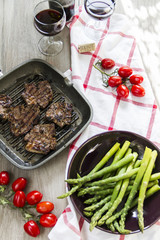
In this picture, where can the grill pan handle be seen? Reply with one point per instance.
(68, 78)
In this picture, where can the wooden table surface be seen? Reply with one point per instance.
(18, 43)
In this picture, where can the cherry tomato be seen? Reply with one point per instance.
(34, 197)
(19, 199)
(122, 91)
(32, 228)
(48, 220)
(19, 184)
(138, 90)
(45, 207)
(125, 71)
(4, 178)
(107, 63)
(114, 81)
(136, 79)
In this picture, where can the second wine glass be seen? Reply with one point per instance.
(49, 20)
(99, 11)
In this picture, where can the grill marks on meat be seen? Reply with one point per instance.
(5, 102)
(45, 94)
(22, 118)
(30, 93)
(60, 113)
(40, 94)
(41, 139)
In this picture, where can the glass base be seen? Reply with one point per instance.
(94, 30)
(50, 46)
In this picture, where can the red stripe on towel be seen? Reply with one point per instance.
(151, 120)
(66, 221)
(114, 113)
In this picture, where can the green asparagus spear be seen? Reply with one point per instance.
(121, 152)
(150, 184)
(137, 163)
(104, 192)
(97, 215)
(122, 231)
(149, 193)
(113, 218)
(139, 176)
(107, 185)
(117, 187)
(69, 193)
(143, 189)
(104, 160)
(94, 199)
(121, 194)
(98, 205)
(100, 192)
(103, 171)
(115, 178)
(92, 190)
(119, 155)
(88, 214)
(155, 176)
(111, 227)
(119, 183)
(101, 211)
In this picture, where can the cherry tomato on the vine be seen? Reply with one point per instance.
(107, 63)
(136, 79)
(114, 81)
(122, 91)
(32, 228)
(19, 184)
(34, 197)
(19, 199)
(45, 207)
(48, 220)
(4, 178)
(125, 71)
(138, 90)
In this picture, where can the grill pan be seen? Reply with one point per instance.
(12, 84)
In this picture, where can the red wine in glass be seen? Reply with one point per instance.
(68, 6)
(69, 9)
(49, 21)
(49, 17)
(99, 10)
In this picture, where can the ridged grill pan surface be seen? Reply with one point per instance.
(12, 84)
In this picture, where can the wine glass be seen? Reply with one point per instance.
(69, 8)
(99, 10)
(49, 20)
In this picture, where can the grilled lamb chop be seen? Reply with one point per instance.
(60, 113)
(5, 102)
(40, 94)
(23, 118)
(41, 139)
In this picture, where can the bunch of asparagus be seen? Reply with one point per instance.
(127, 181)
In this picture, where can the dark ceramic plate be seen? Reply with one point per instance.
(89, 154)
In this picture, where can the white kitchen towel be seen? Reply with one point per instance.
(138, 115)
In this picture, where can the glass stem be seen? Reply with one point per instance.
(97, 24)
(51, 39)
